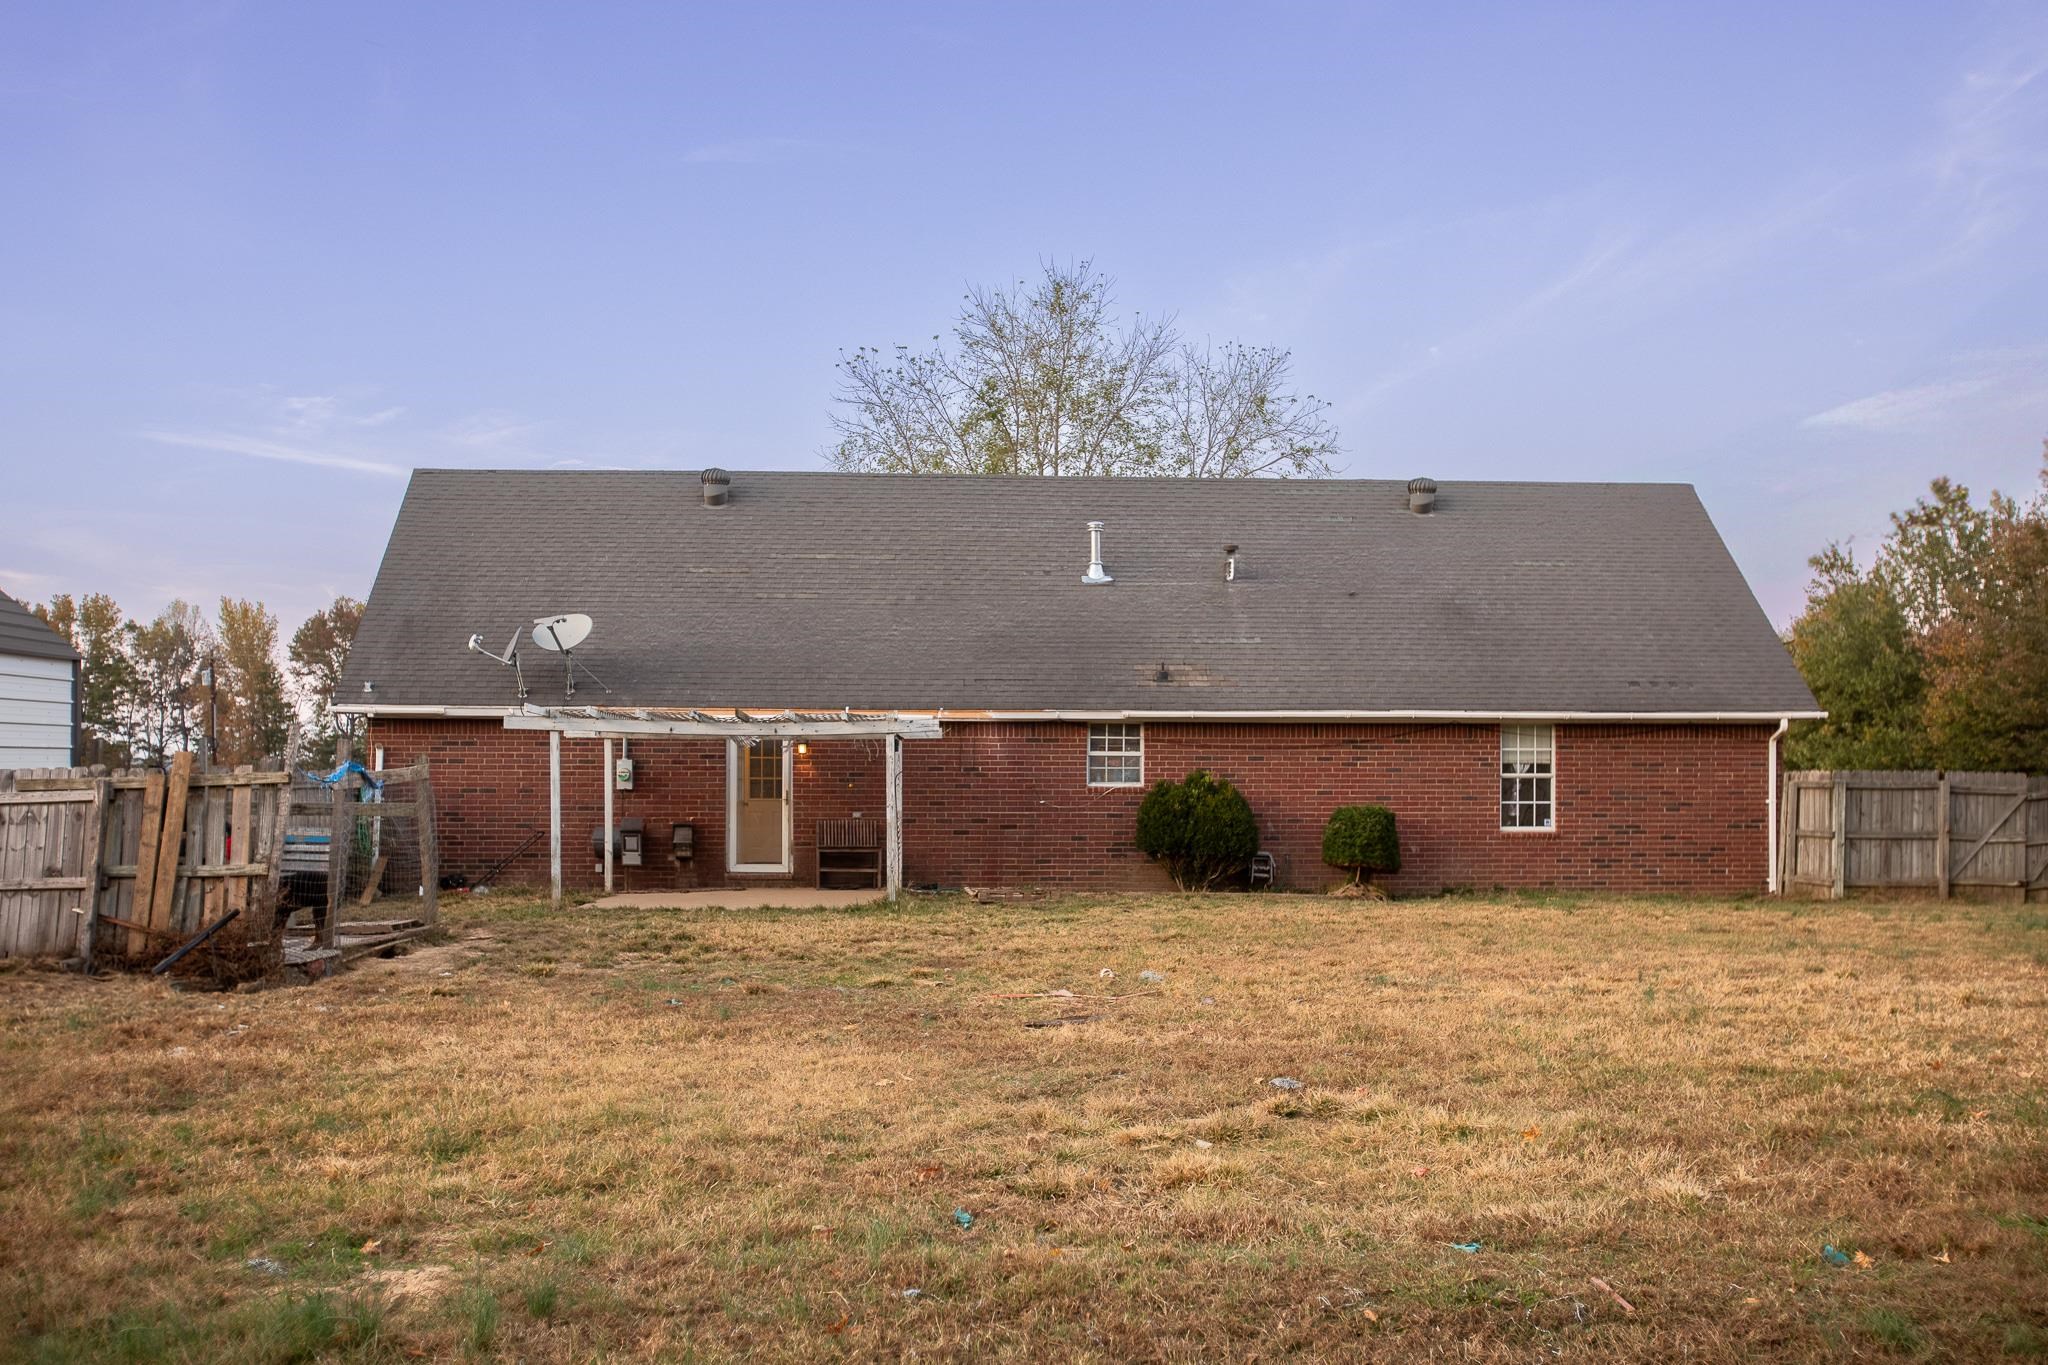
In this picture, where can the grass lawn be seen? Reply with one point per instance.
(656, 1134)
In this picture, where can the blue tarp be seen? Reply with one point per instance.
(343, 771)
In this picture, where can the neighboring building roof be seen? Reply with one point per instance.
(823, 590)
(26, 637)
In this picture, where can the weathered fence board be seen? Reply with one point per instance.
(1975, 833)
(124, 865)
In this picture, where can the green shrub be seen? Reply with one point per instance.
(1201, 827)
(1363, 839)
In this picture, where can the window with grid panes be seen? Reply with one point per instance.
(1527, 760)
(1116, 755)
(764, 772)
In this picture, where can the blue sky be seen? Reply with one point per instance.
(262, 259)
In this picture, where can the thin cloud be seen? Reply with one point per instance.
(1896, 408)
(259, 449)
(490, 430)
(1990, 381)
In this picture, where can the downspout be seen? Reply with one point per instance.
(1771, 880)
(77, 713)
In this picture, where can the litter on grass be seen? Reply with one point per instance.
(1610, 1292)
(1285, 1083)
(1469, 1248)
(1834, 1257)
(963, 1218)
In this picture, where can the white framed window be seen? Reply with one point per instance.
(1528, 760)
(1116, 755)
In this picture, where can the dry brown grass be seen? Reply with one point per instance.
(647, 1134)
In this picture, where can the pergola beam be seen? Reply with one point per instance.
(593, 723)
(610, 723)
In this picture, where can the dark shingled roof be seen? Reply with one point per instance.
(25, 637)
(824, 590)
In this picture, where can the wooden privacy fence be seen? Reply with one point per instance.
(104, 865)
(1930, 831)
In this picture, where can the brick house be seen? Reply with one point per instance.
(1552, 685)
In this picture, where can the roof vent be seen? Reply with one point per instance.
(717, 487)
(1422, 496)
(1096, 573)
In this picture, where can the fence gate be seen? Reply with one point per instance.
(49, 863)
(1931, 831)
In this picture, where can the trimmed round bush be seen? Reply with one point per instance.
(1363, 839)
(1201, 827)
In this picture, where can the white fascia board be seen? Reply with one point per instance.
(585, 727)
(1468, 717)
(373, 711)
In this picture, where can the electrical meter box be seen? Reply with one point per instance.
(629, 842)
(622, 775)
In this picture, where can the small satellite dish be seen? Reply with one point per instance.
(561, 633)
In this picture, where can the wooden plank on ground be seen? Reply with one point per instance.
(170, 844)
(376, 879)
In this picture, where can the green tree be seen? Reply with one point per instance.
(319, 650)
(1987, 707)
(1936, 551)
(254, 716)
(1364, 839)
(1201, 827)
(106, 676)
(1042, 379)
(164, 704)
(1856, 651)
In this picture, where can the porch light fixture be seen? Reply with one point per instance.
(803, 747)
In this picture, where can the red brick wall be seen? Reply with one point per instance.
(1637, 807)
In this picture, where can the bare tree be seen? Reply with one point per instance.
(1042, 380)
(1230, 415)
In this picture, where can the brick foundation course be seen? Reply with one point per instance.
(1638, 807)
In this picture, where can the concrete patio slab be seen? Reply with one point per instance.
(737, 898)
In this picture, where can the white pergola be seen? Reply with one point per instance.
(635, 722)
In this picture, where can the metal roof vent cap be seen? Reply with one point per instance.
(1422, 496)
(717, 487)
(1096, 573)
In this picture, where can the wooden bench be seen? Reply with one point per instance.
(849, 854)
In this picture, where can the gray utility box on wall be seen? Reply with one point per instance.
(629, 842)
(682, 842)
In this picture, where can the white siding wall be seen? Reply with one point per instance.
(35, 712)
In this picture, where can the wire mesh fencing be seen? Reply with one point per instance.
(361, 847)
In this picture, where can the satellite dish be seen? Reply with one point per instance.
(561, 633)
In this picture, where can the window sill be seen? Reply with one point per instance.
(1528, 829)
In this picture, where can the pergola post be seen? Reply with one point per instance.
(555, 818)
(893, 803)
(607, 815)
